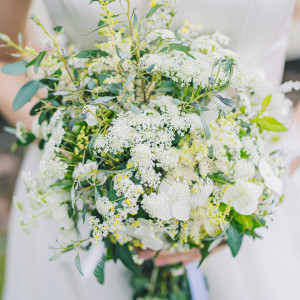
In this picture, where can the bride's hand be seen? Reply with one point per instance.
(165, 257)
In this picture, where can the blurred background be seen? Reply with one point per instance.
(10, 161)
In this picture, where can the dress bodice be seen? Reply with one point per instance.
(258, 28)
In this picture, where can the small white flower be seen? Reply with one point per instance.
(271, 180)
(147, 234)
(173, 200)
(243, 197)
(86, 171)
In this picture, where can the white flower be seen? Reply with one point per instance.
(270, 179)
(200, 192)
(173, 200)
(86, 171)
(243, 197)
(91, 118)
(146, 232)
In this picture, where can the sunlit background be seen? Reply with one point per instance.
(10, 161)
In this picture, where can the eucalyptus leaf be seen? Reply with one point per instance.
(135, 109)
(91, 53)
(103, 99)
(124, 254)
(234, 240)
(129, 79)
(38, 61)
(179, 47)
(73, 196)
(83, 213)
(99, 270)
(91, 144)
(78, 264)
(54, 257)
(26, 93)
(150, 68)
(15, 68)
(153, 10)
(205, 127)
(229, 64)
(226, 101)
(122, 54)
(60, 93)
(176, 101)
(135, 19)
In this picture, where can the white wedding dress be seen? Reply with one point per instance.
(265, 270)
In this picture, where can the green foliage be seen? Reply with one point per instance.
(123, 253)
(234, 240)
(99, 270)
(37, 61)
(153, 10)
(271, 124)
(58, 29)
(226, 101)
(78, 264)
(135, 109)
(205, 127)
(91, 53)
(26, 93)
(15, 68)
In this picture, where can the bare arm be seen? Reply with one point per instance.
(13, 18)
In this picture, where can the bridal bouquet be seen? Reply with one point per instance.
(157, 139)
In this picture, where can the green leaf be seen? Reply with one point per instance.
(83, 213)
(176, 101)
(38, 61)
(229, 64)
(15, 68)
(73, 196)
(265, 103)
(219, 178)
(124, 254)
(91, 144)
(135, 19)
(135, 109)
(226, 101)
(91, 53)
(234, 240)
(104, 99)
(179, 47)
(54, 257)
(26, 93)
(91, 1)
(204, 251)
(150, 68)
(271, 124)
(99, 270)
(153, 10)
(205, 127)
(122, 54)
(129, 79)
(78, 265)
(58, 28)
(245, 221)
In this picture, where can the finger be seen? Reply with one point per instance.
(147, 254)
(174, 258)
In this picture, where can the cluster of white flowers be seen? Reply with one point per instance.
(159, 138)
